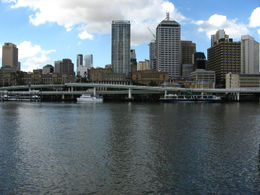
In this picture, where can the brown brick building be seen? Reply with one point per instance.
(224, 57)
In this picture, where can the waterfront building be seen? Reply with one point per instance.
(121, 47)
(10, 57)
(64, 66)
(199, 60)
(203, 79)
(242, 80)
(224, 57)
(48, 69)
(149, 77)
(168, 47)
(152, 55)
(249, 55)
(143, 65)
(106, 75)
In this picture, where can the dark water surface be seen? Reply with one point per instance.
(128, 148)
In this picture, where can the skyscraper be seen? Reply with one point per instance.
(64, 66)
(187, 50)
(79, 60)
(220, 35)
(168, 46)
(121, 47)
(249, 55)
(224, 57)
(10, 56)
(152, 55)
(88, 61)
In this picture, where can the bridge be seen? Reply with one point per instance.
(115, 89)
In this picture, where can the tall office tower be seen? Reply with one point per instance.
(152, 55)
(10, 56)
(88, 61)
(133, 61)
(64, 66)
(168, 39)
(187, 50)
(224, 57)
(79, 60)
(220, 35)
(199, 60)
(249, 55)
(121, 47)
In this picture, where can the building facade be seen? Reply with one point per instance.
(249, 55)
(121, 47)
(143, 65)
(199, 60)
(153, 55)
(219, 36)
(10, 56)
(48, 69)
(203, 79)
(168, 47)
(150, 77)
(187, 51)
(64, 66)
(88, 61)
(242, 80)
(224, 57)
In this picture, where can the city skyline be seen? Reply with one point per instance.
(46, 35)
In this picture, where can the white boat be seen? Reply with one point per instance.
(89, 98)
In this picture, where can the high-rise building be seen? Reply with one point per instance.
(249, 55)
(64, 66)
(79, 60)
(187, 50)
(199, 60)
(121, 47)
(10, 56)
(224, 57)
(143, 65)
(152, 55)
(168, 47)
(220, 35)
(48, 69)
(133, 61)
(88, 61)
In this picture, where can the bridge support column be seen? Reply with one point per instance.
(62, 97)
(238, 97)
(129, 93)
(94, 91)
(165, 93)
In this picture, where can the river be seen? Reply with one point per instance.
(129, 148)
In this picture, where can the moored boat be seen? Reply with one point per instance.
(90, 98)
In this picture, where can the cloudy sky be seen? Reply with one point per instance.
(49, 30)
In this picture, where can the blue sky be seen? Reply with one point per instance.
(48, 30)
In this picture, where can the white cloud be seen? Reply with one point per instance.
(217, 22)
(97, 15)
(85, 35)
(32, 56)
(255, 18)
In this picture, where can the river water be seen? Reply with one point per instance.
(129, 148)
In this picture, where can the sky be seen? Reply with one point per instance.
(50, 30)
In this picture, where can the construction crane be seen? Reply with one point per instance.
(152, 33)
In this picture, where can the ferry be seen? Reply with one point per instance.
(90, 98)
(190, 98)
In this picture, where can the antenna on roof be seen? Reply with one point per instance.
(167, 16)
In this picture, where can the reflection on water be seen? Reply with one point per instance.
(129, 148)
